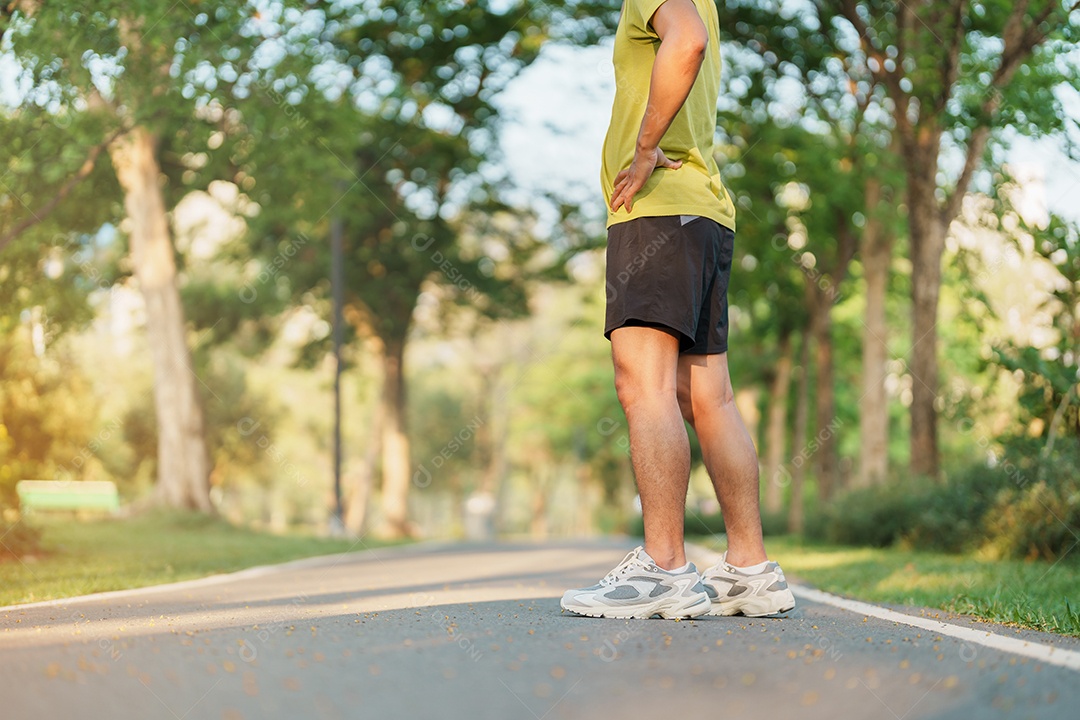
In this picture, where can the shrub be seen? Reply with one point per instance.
(774, 523)
(1003, 509)
(877, 516)
(697, 524)
(950, 516)
(1037, 520)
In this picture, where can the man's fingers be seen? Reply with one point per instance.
(625, 196)
(618, 199)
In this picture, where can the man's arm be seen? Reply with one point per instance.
(683, 39)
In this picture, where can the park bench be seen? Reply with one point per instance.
(37, 495)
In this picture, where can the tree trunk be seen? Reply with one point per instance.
(183, 458)
(927, 245)
(395, 443)
(796, 512)
(823, 448)
(776, 427)
(874, 404)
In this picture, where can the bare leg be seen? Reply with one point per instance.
(708, 404)
(646, 368)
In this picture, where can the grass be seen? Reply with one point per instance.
(115, 554)
(1035, 595)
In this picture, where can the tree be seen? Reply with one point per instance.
(405, 156)
(123, 76)
(956, 73)
(802, 180)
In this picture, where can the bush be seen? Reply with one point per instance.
(877, 516)
(20, 540)
(774, 523)
(48, 415)
(697, 524)
(1039, 519)
(1002, 509)
(950, 516)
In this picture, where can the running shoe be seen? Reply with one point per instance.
(637, 588)
(734, 592)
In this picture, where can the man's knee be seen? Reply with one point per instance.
(635, 388)
(629, 386)
(706, 399)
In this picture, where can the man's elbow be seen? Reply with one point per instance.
(699, 42)
(692, 44)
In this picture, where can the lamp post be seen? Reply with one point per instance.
(337, 286)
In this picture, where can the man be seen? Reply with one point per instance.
(670, 236)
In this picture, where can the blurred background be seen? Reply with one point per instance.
(174, 179)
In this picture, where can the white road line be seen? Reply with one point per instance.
(1037, 651)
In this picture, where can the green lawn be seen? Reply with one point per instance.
(1036, 595)
(94, 556)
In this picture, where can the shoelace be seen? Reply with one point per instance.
(615, 574)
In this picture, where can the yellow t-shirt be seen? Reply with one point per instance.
(695, 188)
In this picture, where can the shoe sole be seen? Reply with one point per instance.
(749, 608)
(699, 607)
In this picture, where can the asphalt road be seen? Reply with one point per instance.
(476, 632)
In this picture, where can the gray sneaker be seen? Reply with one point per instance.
(637, 588)
(733, 592)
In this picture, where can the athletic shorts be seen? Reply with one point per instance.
(664, 274)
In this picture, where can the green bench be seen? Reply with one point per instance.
(35, 495)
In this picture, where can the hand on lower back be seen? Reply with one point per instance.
(629, 181)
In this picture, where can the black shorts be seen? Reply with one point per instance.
(661, 273)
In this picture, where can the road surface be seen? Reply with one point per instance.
(475, 631)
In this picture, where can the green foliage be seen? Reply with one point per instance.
(875, 516)
(394, 147)
(1049, 375)
(449, 426)
(915, 512)
(1024, 506)
(1038, 515)
(951, 515)
(1041, 521)
(48, 416)
(240, 429)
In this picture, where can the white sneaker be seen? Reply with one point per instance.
(734, 592)
(637, 588)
